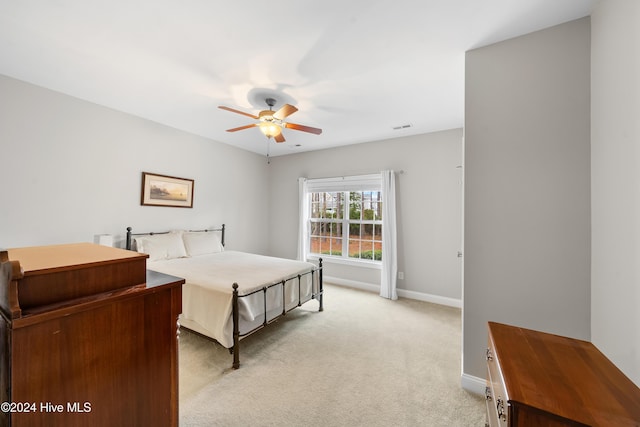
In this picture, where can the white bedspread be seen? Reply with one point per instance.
(208, 294)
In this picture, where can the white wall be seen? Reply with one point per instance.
(527, 187)
(72, 169)
(615, 182)
(428, 206)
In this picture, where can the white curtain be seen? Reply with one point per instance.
(389, 238)
(303, 214)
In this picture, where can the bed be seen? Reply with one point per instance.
(228, 295)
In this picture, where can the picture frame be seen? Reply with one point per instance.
(164, 190)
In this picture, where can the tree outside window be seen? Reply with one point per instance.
(346, 224)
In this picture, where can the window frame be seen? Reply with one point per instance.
(346, 222)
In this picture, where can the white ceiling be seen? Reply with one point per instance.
(355, 68)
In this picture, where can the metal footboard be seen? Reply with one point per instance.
(315, 294)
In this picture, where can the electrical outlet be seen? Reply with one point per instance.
(400, 275)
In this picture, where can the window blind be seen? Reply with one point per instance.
(370, 182)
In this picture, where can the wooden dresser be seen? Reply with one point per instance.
(539, 379)
(89, 338)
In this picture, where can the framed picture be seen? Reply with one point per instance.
(162, 190)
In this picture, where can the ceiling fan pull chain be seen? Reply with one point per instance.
(268, 146)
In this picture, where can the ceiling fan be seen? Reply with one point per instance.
(272, 122)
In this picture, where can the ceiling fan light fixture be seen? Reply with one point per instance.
(270, 129)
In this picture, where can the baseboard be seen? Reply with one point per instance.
(352, 284)
(435, 299)
(473, 384)
(370, 287)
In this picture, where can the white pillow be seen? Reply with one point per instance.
(201, 243)
(161, 246)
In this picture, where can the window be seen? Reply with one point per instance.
(346, 224)
(341, 219)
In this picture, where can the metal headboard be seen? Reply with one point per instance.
(130, 235)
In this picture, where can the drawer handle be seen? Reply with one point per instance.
(500, 409)
(487, 393)
(488, 355)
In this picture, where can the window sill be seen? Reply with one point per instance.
(344, 261)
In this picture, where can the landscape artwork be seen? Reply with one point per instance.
(163, 190)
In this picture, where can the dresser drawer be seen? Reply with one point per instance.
(496, 393)
(492, 414)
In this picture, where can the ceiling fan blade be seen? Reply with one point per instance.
(303, 128)
(279, 137)
(286, 110)
(242, 127)
(238, 111)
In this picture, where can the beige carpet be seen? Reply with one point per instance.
(364, 361)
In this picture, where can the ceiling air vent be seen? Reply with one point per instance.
(408, 125)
